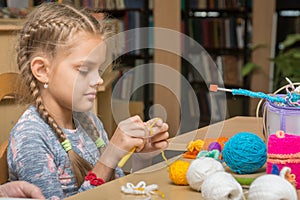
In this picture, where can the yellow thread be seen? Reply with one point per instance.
(151, 133)
(164, 157)
(151, 126)
(160, 193)
(139, 189)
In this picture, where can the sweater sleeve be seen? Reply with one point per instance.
(31, 158)
(102, 133)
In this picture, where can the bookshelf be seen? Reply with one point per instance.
(127, 14)
(223, 28)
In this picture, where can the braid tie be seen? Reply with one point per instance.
(66, 145)
(100, 142)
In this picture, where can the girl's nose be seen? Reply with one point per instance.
(97, 81)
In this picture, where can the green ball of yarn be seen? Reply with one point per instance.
(245, 153)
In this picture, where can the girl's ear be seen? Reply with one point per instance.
(39, 68)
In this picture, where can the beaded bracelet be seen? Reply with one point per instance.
(93, 179)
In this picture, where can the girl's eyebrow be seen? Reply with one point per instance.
(89, 62)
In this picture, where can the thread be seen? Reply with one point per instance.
(200, 169)
(177, 172)
(245, 153)
(271, 187)
(221, 186)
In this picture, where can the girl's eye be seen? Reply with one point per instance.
(83, 69)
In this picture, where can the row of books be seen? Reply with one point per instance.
(223, 68)
(112, 4)
(206, 106)
(129, 85)
(132, 39)
(216, 4)
(218, 32)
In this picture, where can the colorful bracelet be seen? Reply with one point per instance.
(93, 179)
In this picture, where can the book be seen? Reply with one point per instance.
(232, 70)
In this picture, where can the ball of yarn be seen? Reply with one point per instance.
(213, 146)
(177, 172)
(271, 187)
(221, 186)
(200, 169)
(245, 153)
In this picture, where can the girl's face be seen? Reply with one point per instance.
(74, 77)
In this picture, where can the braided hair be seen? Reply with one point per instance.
(49, 27)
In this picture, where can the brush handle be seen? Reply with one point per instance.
(260, 95)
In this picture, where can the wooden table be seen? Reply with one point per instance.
(158, 174)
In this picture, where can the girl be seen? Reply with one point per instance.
(56, 144)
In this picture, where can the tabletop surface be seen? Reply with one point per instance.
(158, 173)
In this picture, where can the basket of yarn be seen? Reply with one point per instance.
(245, 153)
(281, 117)
(284, 151)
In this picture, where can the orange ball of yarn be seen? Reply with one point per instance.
(177, 172)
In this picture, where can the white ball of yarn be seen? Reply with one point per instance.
(221, 186)
(271, 187)
(200, 169)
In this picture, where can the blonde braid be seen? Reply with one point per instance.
(49, 26)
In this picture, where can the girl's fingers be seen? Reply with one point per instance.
(161, 145)
(154, 122)
(156, 130)
(133, 126)
(159, 137)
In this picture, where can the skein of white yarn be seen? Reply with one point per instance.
(221, 186)
(271, 187)
(201, 168)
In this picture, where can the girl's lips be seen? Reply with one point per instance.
(91, 95)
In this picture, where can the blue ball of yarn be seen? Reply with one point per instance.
(245, 153)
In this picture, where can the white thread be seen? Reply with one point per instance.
(271, 187)
(200, 169)
(221, 186)
(140, 189)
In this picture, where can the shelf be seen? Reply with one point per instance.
(10, 24)
(219, 51)
(217, 13)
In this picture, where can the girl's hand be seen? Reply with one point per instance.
(20, 189)
(129, 135)
(133, 134)
(158, 135)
